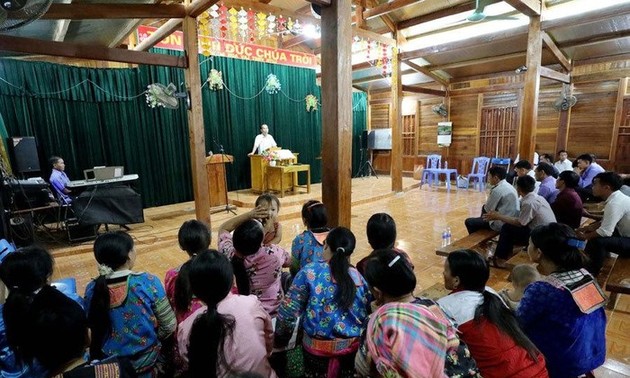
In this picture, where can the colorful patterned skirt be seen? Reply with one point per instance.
(329, 358)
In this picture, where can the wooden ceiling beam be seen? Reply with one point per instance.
(162, 32)
(385, 8)
(91, 11)
(588, 17)
(529, 8)
(593, 39)
(413, 89)
(197, 7)
(554, 75)
(427, 72)
(356, 67)
(74, 50)
(466, 43)
(480, 61)
(297, 40)
(370, 79)
(373, 36)
(461, 8)
(560, 57)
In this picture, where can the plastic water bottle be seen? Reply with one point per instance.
(444, 238)
(448, 235)
(446, 165)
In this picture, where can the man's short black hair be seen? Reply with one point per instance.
(523, 164)
(498, 172)
(570, 178)
(53, 160)
(526, 184)
(561, 151)
(547, 156)
(611, 179)
(586, 157)
(545, 167)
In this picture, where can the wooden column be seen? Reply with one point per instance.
(196, 134)
(529, 112)
(395, 121)
(337, 111)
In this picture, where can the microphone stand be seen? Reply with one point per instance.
(228, 208)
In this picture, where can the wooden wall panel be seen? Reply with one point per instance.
(464, 113)
(548, 119)
(427, 131)
(379, 116)
(592, 118)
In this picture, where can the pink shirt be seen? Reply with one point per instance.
(263, 268)
(252, 338)
(169, 286)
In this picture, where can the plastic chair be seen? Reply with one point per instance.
(479, 172)
(502, 162)
(434, 162)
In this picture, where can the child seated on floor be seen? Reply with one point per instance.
(128, 313)
(308, 246)
(272, 228)
(193, 237)
(257, 267)
(381, 234)
(522, 275)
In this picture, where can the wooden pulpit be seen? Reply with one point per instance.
(217, 188)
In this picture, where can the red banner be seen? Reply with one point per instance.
(233, 49)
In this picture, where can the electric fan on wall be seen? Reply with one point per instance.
(565, 102)
(440, 110)
(17, 13)
(166, 96)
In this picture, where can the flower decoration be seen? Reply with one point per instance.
(311, 103)
(272, 85)
(215, 80)
(270, 155)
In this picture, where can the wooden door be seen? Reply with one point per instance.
(497, 136)
(622, 158)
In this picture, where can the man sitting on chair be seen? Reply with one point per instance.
(59, 179)
(502, 198)
(535, 211)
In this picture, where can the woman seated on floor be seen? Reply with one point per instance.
(487, 326)
(567, 327)
(407, 336)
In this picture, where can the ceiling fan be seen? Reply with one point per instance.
(17, 13)
(478, 14)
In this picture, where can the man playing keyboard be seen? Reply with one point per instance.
(59, 179)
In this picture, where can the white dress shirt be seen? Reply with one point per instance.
(616, 215)
(562, 166)
(263, 143)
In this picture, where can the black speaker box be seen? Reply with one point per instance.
(22, 231)
(80, 232)
(24, 154)
(364, 139)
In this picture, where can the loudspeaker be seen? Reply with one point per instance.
(24, 153)
(80, 232)
(22, 230)
(364, 139)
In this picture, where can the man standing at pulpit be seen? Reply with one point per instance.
(263, 141)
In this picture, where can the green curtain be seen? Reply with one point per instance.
(91, 127)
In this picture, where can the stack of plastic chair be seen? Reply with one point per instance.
(479, 172)
(430, 173)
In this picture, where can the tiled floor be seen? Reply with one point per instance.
(421, 216)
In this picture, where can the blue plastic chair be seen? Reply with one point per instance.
(434, 162)
(479, 172)
(503, 162)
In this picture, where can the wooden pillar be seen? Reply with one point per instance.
(395, 121)
(562, 139)
(529, 112)
(337, 111)
(196, 134)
